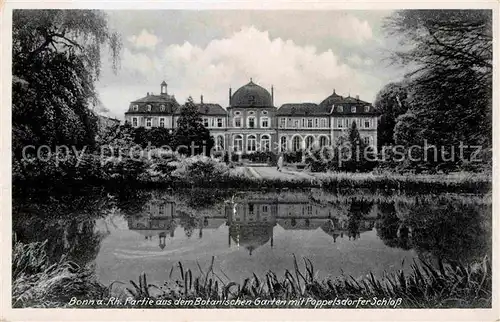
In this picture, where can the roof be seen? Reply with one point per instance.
(211, 109)
(160, 104)
(337, 104)
(302, 109)
(251, 95)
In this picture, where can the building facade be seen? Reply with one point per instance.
(251, 122)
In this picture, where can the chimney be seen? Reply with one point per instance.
(230, 94)
(357, 97)
(147, 94)
(334, 91)
(272, 94)
(201, 99)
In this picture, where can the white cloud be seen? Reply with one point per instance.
(357, 61)
(144, 40)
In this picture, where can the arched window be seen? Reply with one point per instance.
(323, 141)
(309, 142)
(251, 122)
(148, 107)
(323, 122)
(353, 109)
(283, 144)
(296, 143)
(251, 143)
(162, 108)
(238, 143)
(136, 108)
(265, 143)
(220, 143)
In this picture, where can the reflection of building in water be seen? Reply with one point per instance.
(157, 218)
(251, 221)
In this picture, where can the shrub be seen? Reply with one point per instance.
(199, 168)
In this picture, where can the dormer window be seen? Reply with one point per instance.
(162, 108)
(340, 109)
(237, 113)
(353, 109)
(148, 107)
(367, 108)
(135, 108)
(264, 112)
(251, 113)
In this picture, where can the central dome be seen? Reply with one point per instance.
(251, 95)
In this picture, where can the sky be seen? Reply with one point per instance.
(305, 55)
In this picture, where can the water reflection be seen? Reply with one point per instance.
(353, 233)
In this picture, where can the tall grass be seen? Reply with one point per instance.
(425, 286)
(444, 285)
(37, 283)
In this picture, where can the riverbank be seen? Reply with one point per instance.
(36, 283)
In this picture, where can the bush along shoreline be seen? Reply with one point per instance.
(179, 171)
(37, 283)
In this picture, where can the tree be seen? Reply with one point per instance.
(56, 60)
(359, 155)
(190, 132)
(449, 53)
(391, 102)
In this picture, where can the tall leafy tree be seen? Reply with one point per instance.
(56, 60)
(191, 132)
(449, 53)
(391, 102)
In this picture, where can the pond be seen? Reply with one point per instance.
(124, 233)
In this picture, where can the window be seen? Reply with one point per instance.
(161, 209)
(219, 122)
(237, 113)
(148, 107)
(303, 122)
(340, 123)
(149, 122)
(162, 122)
(265, 143)
(353, 109)
(297, 143)
(340, 108)
(220, 143)
(367, 108)
(237, 121)
(323, 141)
(250, 208)
(251, 121)
(309, 209)
(296, 123)
(205, 121)
(264, 122)
(282, 122)
(251, 143)
(316, 122)
(162, 108)
(134, 122)
(264, 112)
(264, 208)
(251, 113)
(323, 122)
(238, 143)
(283, 144)
(212, 123)
(366, 139)
(309, 142)
(367, 124)
(135, 108)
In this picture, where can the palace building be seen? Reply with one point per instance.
(251, 122)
